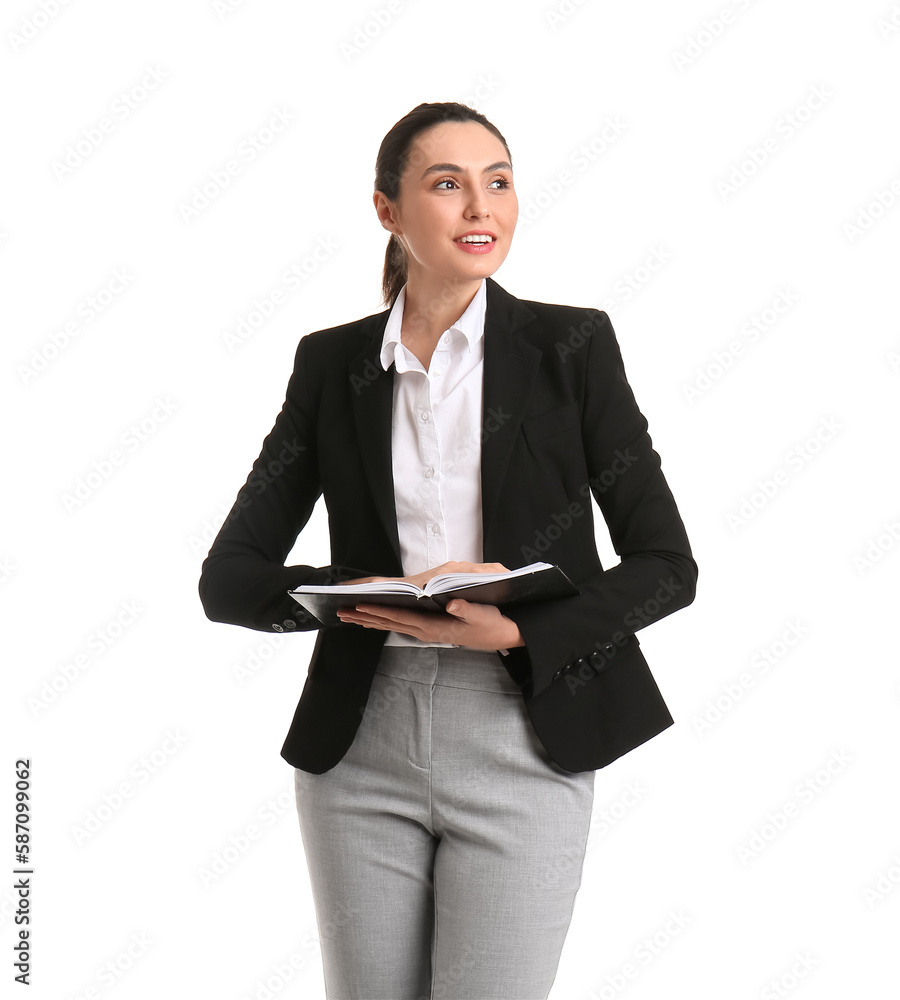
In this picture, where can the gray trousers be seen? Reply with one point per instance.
(445, 849)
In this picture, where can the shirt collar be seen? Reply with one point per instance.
(470, 324)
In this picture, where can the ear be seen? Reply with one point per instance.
(384, 208)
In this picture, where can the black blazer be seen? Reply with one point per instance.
(560, 426)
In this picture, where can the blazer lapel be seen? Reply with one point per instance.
(372, 395)
(510, 368)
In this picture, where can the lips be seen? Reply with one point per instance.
(476, 246)
(477, 241)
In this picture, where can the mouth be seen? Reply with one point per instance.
(476, 242)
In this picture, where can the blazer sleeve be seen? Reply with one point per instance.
(656, 574)
(243, 580)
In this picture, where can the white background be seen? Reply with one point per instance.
(753, 849)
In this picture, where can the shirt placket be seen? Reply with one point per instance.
(435, 542)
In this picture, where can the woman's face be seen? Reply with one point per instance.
(457, 181)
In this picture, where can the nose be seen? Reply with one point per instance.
(477, 206)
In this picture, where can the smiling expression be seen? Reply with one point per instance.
(458, 208)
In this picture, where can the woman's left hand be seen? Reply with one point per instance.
(477, 626)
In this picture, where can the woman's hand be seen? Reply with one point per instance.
(476, 626)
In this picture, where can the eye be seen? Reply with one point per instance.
(445, 180)
(502, 181)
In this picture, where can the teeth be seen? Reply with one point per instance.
(476, 239)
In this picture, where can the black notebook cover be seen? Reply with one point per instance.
(541, 585)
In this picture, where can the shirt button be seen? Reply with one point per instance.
(425, 416)
(429, 473)
(445, 339)
(434, 529)
(438, 372)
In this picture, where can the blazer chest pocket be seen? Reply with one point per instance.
(545, 425)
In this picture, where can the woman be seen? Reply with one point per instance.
(444, 763)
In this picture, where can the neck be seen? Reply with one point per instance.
(433, 304)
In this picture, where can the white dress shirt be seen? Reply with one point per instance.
(436, 445)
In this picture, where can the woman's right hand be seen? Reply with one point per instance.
(420, 579)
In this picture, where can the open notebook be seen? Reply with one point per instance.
(538, 581)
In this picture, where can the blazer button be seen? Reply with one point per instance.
(609, 649)
(580, 664)
(277, 627)
(558, 674)
(288, 623)
(598, 661)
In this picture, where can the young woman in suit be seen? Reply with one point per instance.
(444, 763)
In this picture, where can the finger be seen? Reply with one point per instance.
(469, 610)
(393, 615)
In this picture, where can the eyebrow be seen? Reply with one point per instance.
(452, 168)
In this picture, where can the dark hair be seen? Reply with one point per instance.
(393, 156)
